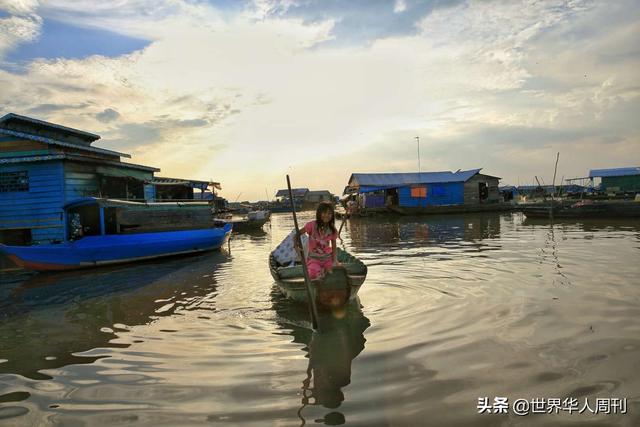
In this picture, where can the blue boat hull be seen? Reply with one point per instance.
(92, 251)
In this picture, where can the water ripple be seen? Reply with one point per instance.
(453, 308)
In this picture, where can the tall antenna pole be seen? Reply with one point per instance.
(418, 139)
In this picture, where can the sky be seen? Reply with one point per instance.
(245, 92)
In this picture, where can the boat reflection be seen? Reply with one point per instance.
(77, 311)
(330, 352)
(426, 230)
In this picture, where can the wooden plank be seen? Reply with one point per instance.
(44, 216)
(36, 177)
(79, 175)
(81, 182)
(10, 203)
(48, 234)
(22, 145)
(29, 213)
(31, 209)
(31, 226)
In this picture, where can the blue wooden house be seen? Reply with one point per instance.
(424, 190)
(45, 165)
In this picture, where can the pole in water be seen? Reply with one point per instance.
(554, 175)
(418, 139)
(313, 310)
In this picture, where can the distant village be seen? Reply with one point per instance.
(45, 166)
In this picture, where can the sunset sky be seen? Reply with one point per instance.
(244, 92)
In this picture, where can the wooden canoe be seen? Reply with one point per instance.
(334, 290)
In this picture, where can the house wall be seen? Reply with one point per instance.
(40, 208)
(448, 193)
(472, 193)
(52, 184)
(149, 192)
(373, 201)
(80, 180)
(10, 146)
(316, 197)
(83, 179)
(621, 183)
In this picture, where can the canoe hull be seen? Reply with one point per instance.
(93, 251)
(242, 226)
(334, 290)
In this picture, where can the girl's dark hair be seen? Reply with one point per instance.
(325, 207)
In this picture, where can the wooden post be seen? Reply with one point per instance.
(313, 310)
(554, 176)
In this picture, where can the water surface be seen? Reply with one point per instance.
(454, 308)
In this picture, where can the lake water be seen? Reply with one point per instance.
(454, 309)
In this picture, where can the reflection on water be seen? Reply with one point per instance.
(330, 353)
(421, 230)
(76, 311)
(453, 308)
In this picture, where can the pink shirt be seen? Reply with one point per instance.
(319, 244)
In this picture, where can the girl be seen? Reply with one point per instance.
(322, 233)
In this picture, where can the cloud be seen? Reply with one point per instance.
(46, 109)
(19, 7)
(248, 95)
(22, 25)
(399, 6)
(108, 115)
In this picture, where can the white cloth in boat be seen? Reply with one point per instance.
(285, 254)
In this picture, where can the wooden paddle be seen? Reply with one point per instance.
(313, 310)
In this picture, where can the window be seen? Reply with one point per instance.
(420, 192)
(14, 181)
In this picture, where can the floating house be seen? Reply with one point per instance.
(298, 194)
(44, 166)
(317, 196)
(413, 192)
(304, 198)
(618, 180)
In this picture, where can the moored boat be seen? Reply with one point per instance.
(253, 221)
(584, 209)
(95, 236)
(335, 289)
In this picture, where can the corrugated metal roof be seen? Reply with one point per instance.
(167, 180)
(163, 180)
(62, 144)
(12, 117)
(390, 180)
(600, 173)
(31, 159)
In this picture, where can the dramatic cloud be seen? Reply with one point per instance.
(108, 115)
(21, 24)
(246, 92)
